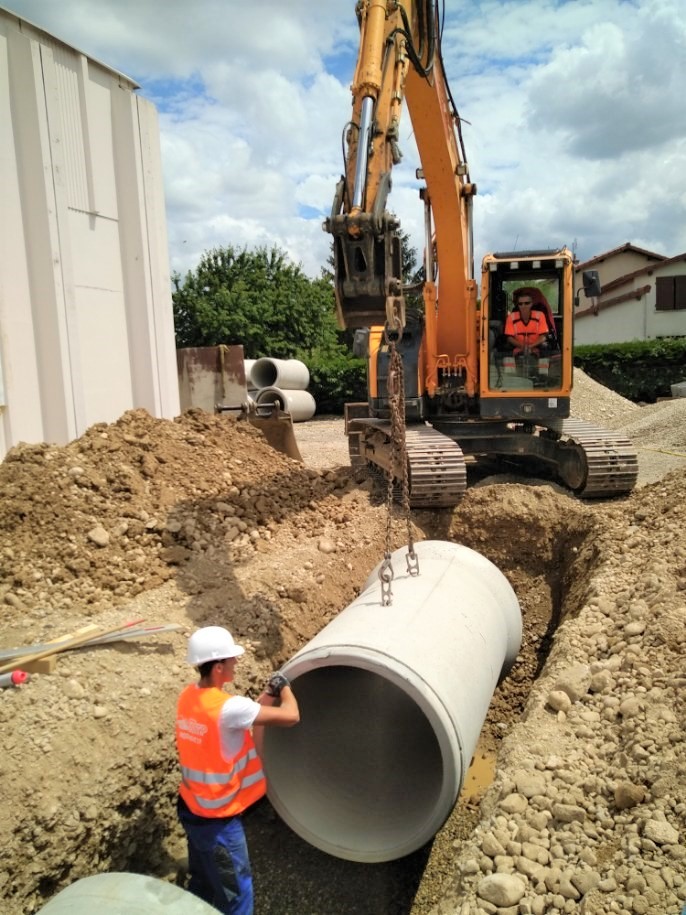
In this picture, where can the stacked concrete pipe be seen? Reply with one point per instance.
(284, 382)
(247, 367)
(392, 702)
(291, 374)
(300, 404)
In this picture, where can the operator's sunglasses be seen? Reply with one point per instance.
(525, 302)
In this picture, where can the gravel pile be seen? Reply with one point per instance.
(588, 811)
(661, 425)
(597, 404)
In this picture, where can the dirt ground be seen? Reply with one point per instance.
(197, 522)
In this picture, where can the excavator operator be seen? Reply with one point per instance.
(526, 328)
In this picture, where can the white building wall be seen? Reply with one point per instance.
(622, 322)
(636, 318)
(86, 326)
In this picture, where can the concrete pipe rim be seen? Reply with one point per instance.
(443, 727)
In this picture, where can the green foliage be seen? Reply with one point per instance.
(337, 379)
(256, 298)
(641, 370)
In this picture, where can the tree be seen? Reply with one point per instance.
(258, 299)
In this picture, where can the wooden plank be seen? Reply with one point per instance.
(62, 645)
(41, 666)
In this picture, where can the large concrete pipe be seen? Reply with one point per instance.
(125, 894)
(300, 404)
(282, 373)
(392, 700)
(247, 367)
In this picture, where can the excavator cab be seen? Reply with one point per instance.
(526, 356)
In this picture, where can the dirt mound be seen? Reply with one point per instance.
(112, 513)
(198, 521)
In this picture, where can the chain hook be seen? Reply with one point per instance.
(386, 577)
(412, 561)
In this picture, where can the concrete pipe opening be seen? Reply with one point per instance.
(392, 701)
(291, 374)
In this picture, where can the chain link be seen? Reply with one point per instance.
(395, 386)
(386, 577)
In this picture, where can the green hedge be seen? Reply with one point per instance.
(336, 379)
(641, 370)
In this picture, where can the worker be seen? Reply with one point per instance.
(526, 330)
(216, 738)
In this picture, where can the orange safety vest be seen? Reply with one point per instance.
(524, 333)
(212, 786)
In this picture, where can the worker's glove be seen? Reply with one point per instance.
(276, 684)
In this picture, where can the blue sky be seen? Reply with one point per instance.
(576, 111)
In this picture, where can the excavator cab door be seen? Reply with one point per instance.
(526, 356)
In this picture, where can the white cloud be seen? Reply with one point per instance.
(575, 108)
(620, 90)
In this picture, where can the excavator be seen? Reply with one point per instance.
(468, 394)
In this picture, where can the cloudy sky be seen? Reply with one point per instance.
(576, 114)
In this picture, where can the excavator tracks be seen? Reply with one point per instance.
(437, 472)
(611, 460)
(593, 462)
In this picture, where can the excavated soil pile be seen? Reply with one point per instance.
(198, 521)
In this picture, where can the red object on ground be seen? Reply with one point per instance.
(16, 678)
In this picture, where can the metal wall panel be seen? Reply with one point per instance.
(86, 327)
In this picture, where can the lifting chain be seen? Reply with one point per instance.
(395, 386)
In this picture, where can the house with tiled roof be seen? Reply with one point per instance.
(643, 297)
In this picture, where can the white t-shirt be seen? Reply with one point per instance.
(237, 716)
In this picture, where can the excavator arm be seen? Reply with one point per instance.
(400, 61)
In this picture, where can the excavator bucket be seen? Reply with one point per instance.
(277, 428)
(269, 418)
(227, 364)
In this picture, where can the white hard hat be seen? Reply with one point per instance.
(212, 643)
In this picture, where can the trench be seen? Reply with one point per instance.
(549, 574)
(543, 544)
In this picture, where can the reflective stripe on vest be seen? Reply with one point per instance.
(225, 799)
(212, 785)
(538, 325)
(217, 778)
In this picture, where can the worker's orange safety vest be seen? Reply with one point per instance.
(524, 333)
(212, 786)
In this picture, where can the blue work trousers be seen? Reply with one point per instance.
(218, 861)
